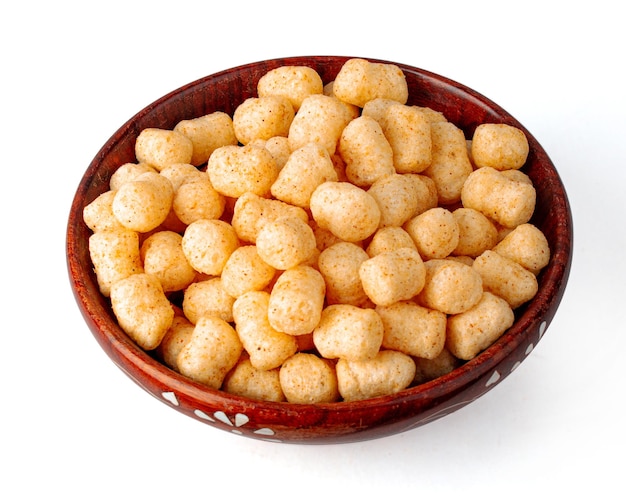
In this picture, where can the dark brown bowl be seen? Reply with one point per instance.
(336, 422)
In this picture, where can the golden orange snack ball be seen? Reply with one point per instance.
(162, 255)
(160, 147)
(262, 118)
(292, 82)
(246, 271)
(207, 133)
(208, 243)
(207, 297)
(435, 233)
(499, 146)
(286, 242)
(339, 264)
(250, 382)
(306, 378)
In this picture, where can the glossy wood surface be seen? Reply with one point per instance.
(338, 422)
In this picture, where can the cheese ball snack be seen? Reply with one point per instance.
(250, 382)
(115, 255)
(162, 256)
(402, 196)
(331, 200)
(208, 243)
(142, 309)
(235, 170)
(98, 214)
(262, 118)
(212, 350)
(267, 347)
(393, 276)
(251, 212)
(339, 265)
(413, 329)
(472, 331)
(348, 332)
(430, 369)
(128, 172)
(196, 199)
(527, 246)
(207, 133)
(499, 146)
(506, 201)
(366, 152)
(174, 340)
(360, 81)
(144, 203)
(450, 165)
(320, 120)
(207, 298)
(306, 168)
(294, 83)
(409, 133)
(505, 278)
(179, 173)
(435, 233)
(450, 286)
(387, 373)
(278, 146)
(297, 300)
(476, 232)
(308, 379)
(160, 148)
(286, 242)
(389, 239)
(246, 271)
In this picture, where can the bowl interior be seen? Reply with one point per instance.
(334, 422)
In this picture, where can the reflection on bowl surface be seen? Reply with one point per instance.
(333, 422)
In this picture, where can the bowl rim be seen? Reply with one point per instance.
(125, 353)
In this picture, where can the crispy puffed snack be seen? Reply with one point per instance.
(246, 271)
(408, 131)
(297, 300)
(308, 379)
(162, 256)
(250, 382)
(251, 212)
(208, 243)
(430, 369)
(306, 168)
(450, 165)
(472, 331)
(160, 147)
(235, 170)
(393, 276)
(320, 120)
(128, 172)
(207, 298)
(387, 373)
(476, 232)
(115, 255)
(211, 352)
(339, 264)
(348, 332)
(506, 278)
(400, 197)
(332, 201)
(499, 146)
(292, 82)
(286, 242)
(389, 239)
(359, 81)
(98, 214)
(278, 146)
(526, 245)
(366, 152)
(262, 118)
(267, 347)
(179, 173)
(196, 199)
(435, 233)
(450, 286)
(142, 309)
(144, 203)
(507, 201)
(207, 133)
(174, 340)
(413, 329)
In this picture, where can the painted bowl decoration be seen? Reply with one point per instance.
(337, 422)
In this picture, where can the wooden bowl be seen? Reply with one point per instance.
(336, 422)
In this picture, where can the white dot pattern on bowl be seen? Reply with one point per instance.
(240, 420)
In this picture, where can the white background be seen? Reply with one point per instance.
(74, 426)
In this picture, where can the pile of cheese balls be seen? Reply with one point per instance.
(327, 242)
